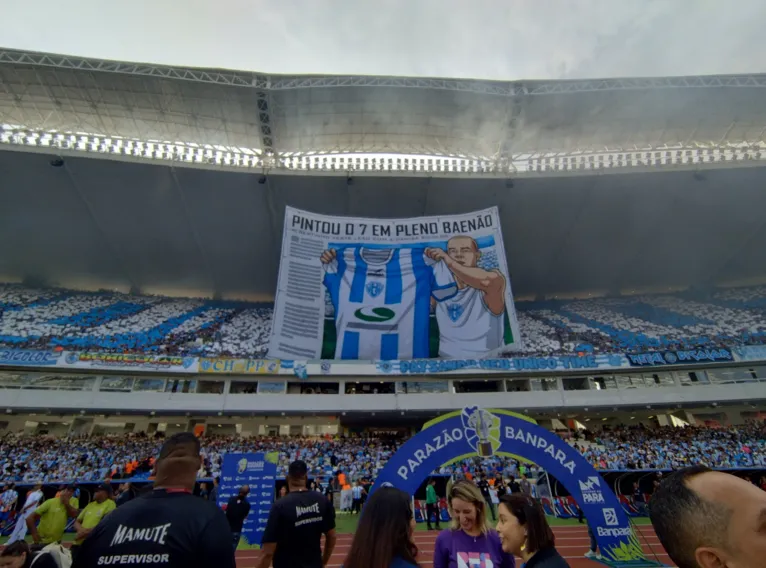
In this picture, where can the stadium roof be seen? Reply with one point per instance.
(157, 217)
(288, 115)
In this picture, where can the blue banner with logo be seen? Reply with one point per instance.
(259, 472)
(476, 431)
(686, 357)
(510, 365)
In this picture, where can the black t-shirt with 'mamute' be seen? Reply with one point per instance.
(161, 529)
(296, 524)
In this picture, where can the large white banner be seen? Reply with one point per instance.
(387, 289)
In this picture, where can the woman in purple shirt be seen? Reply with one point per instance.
(469, 541)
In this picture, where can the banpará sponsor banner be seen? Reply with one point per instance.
(686, 357)
(485, 433)
(389, 289)
(510, 365)
(239, 366)
(259, 472)
(88, 360)
(33, 358)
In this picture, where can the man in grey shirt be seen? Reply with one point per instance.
(526, 486)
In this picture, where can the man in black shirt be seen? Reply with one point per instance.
(639, 501)
(168, 527)
(296, 524)
(513, 485)
(236, 512)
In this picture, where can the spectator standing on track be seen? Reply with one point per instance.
(125, 493)
(525, 486)
(500, 486)
(432, 505)
(357, 492)
(8, 501)
(366, 485)
(92, 515)
(296, 524)
(32, 502)
(383, 538)
(639, 500)
(168, 527)
(469, 537)
(524, 532)
(483, 486)
(329, 491)
(214, 490)
(237, 510)
(593, 550)
(710, 519)
(53, 515)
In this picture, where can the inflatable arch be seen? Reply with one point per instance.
(476, 431)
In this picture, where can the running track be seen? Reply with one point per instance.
(571, 541)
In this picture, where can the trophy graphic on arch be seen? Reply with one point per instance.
(478, 424)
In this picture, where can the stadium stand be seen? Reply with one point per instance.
(45, 458)
(670, 447)
(106, 321)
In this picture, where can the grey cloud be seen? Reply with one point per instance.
(493, 39)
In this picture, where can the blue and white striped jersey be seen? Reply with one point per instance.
(382, 301)
(8, 499)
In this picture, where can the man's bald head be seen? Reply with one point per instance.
(178, 461)
(707, 518)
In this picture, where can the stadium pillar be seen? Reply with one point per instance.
(480, 432)
(662, 420)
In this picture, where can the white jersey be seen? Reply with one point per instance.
(33, 499)
(382, 300)
(467, 329)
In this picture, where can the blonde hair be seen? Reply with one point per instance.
(468, 492)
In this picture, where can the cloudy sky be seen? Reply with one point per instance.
(489, 39)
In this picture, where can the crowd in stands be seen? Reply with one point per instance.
(669, 447)
(107, 321)
(44, 458)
